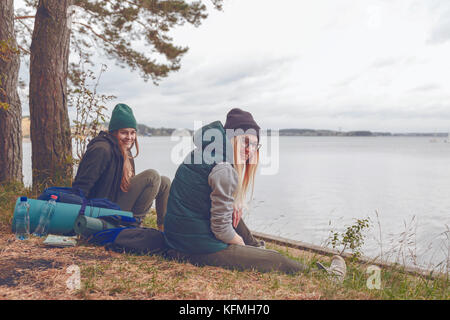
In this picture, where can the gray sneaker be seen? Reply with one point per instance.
(337, 269)
(261, 244)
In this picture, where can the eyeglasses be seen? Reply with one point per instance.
(253, 145)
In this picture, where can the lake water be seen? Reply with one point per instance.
(325, 183)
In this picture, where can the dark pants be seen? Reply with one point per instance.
(242, 257)
(146, 187)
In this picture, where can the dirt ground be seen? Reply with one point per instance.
(31, 270)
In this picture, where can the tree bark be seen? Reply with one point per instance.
(50, 126)
(10, 117)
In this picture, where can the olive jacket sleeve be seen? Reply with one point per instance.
(93, 166)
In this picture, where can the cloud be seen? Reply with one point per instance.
(386, 62)
(440, 32)
(201, 90)
(297, 64)
(426, 88)
(435, 112)
(348, 81)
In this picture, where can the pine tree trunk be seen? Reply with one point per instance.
(50, 126)
(10, 117)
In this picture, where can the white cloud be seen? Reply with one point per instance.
(375, 65)
(440, 33)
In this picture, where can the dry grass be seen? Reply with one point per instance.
(31, 270)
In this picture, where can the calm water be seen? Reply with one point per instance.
(324, 183)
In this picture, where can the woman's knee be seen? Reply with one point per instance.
(165, 183)
(152, 177)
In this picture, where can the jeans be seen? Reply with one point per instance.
(242, 257)
(146, 187)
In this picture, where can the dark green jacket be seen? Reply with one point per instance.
(187, 226)
(100, 171)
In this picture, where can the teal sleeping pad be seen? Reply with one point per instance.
(64, 216)
(87, 226)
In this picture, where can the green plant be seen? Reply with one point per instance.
(353, 237)
(90, 107)
(9, 192)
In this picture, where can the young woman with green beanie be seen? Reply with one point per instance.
(107, 170)
(203, 222)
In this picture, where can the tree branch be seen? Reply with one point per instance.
(23, 49)
(24, 17)
(93, 31)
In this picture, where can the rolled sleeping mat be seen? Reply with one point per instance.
(87, 226)
(64, 216)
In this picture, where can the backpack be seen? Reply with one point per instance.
(106, 231)
(76, 196)
(139, 241)
(126, 237)
(135, 240)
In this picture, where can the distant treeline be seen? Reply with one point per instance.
(312, 132)
(316, 133)
(144, 130)
(148, 131)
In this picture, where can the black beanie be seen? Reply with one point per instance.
(240, 119)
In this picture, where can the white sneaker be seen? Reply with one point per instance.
(337, 269)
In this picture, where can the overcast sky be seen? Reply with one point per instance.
(380, 65)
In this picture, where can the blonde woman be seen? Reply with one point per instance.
(107, 170)
(203, 222)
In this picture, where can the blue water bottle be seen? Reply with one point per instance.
(22, 219)
(46, 215)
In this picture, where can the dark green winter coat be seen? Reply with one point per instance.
(100, 171)
(187, 226)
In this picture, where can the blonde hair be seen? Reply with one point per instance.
(127, 171)
(246, 174)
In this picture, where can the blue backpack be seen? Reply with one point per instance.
(105, 237)
(76, 196)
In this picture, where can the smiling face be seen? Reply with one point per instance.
(126, 137)
(248, 146)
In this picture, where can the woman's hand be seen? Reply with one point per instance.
(237, 240)
(237, 214)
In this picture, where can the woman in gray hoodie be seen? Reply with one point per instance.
(203, 222)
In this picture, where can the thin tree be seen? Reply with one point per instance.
(10, 107)
(50, 126)
(113, 27)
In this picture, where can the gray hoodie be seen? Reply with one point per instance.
(223, 180)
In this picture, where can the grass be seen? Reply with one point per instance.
(30, 270)
(8, 196)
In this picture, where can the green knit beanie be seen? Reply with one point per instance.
(122, 117)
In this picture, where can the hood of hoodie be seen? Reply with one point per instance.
(212, 140)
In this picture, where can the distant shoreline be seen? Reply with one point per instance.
(145, 131)
(432, 137)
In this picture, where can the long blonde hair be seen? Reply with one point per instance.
(127, 171)
(246, 174)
